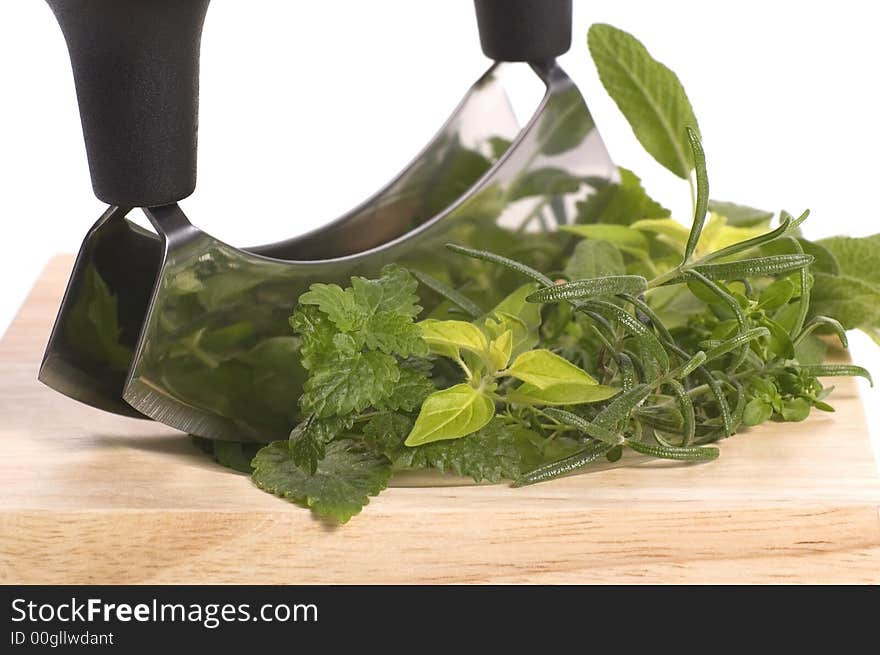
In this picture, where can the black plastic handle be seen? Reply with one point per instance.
(524, 30)
(136, 69)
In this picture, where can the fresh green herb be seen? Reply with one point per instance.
(625, 330)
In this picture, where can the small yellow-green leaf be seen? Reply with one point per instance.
(521, 317)
(544, 369)
(565, 393)
(450, 414)
(443, 335)
(500, 349)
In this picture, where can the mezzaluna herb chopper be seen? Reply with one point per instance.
(182, 328)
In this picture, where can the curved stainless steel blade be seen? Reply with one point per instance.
(100, 318)
(217, 357)
(89, 352)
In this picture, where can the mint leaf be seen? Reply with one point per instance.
(388, 332)
(451, 414)
(495, 452)
(338, 304)
(309, 439)
(377, 313)
(394, 292)
(317, 333)
(386, 433)
(409, 392)
(349, 383)
(650, 96)
(345, 479)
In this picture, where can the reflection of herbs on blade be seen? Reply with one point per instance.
(544, 352)
(92, 326)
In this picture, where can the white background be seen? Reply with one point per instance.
(307, 107)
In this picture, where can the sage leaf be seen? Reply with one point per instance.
(648, 94)
(857, 257)
(740, 215)
(824, 260)
(625, 238)
(592, 259)
(668, 229)
(451, 414)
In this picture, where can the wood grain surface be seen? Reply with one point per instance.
(90, 497)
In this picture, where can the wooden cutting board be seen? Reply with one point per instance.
(90, 497)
